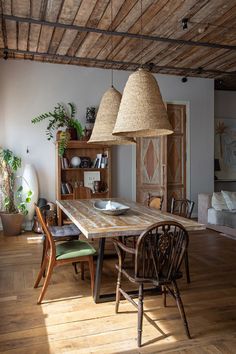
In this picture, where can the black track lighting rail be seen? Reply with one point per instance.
(120, 33)
(83, 61)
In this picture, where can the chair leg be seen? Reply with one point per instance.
(91, 270)
(82, 270)
(118, 291)
(134, 245)
(181, 308)
(187, 267)
(44, 253)
(46, 281)
(41, 272)
(75, 267)
(44, 250)
(140, 314)
(163, 288)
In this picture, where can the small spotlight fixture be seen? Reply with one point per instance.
(150, 66)
(185, 23)
(199, 70)
(5, 55)
(184, 79)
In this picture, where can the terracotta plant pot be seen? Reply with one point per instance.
(73, 133)
(12, 223)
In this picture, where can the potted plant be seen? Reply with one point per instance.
(13, 200)
(62, 117)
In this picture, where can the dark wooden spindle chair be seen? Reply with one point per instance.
(158, 256)
(72, 251)
(184, 208)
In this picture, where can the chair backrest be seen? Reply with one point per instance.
(182, 207)
(82, 193)
(159, 251)
(49, 238)
(154, 201)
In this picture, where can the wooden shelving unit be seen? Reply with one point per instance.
(75, 176)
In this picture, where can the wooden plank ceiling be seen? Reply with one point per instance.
(78, 32)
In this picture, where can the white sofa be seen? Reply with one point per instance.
(223, 221)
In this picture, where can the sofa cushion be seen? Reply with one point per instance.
(230, 199)
(218, 201)
(223, 217)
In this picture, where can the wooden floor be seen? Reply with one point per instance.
(70, 322)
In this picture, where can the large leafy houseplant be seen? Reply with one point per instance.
(14, 201)
(61, 117)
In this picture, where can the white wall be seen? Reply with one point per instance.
(225, 107)
(225, 104)
(30, 88)
(199, 93)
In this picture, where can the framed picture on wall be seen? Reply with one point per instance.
(225, 149)
(90, 177)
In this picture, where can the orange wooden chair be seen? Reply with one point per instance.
(82, 193)
(56, 254)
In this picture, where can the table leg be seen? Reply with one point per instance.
(99, 267)
(98, 297)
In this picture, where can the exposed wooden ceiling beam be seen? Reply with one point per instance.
(120, 33)
(135, 65)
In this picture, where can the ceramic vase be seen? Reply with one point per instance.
(30, 182)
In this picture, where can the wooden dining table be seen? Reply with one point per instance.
(95, 224)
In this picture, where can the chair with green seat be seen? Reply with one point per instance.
(61, 233)
(56, 254)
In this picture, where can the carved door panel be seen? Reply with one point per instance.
(176, 153)
(151, 168)
(161, 161)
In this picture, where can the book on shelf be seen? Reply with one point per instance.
(95, 163)
(69, 188)
(104, 161)
(66, 162)
(62, 163)
(99, 158)
(64, 189)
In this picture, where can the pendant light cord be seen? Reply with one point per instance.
(141, 30)
(112, 48)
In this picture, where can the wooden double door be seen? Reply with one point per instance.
(161, 161)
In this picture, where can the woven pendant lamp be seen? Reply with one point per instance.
(142, 112)
(105, 120)
(107, 114)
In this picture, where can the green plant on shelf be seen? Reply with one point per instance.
(61, 117)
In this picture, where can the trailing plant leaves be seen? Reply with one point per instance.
(64, 139)
(20, 189)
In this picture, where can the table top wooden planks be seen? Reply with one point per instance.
(95, 224)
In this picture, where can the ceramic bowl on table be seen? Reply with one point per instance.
(110, 208)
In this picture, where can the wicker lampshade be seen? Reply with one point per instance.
(105, 120)
(142, 112)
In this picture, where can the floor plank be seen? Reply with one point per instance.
(70, 322)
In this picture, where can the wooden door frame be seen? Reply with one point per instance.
(188, 143)
(188, 148)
